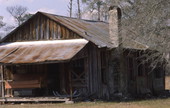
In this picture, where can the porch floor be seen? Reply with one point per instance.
(33, 99)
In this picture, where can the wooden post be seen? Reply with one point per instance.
(2, 81)
(70, 81)
(62, 78)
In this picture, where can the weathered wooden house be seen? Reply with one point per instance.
(56, 56)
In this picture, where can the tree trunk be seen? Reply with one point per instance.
(79, 11)
(70, 8)
(98, 9)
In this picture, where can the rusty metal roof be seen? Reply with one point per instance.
(40, 51)
(133, 44)
(94, 31)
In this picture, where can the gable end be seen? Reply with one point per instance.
(40, 27)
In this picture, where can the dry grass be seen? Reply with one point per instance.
(159, 103)
(167, 82)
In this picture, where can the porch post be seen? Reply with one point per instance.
(62, 79)
(2, 81)
(70, 81)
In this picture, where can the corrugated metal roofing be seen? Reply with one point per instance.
(94, 31)
(132, 44)
(40, 51)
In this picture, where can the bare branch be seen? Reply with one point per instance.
(17, 12)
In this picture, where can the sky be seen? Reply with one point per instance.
(59, 7)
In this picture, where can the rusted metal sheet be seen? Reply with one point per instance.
(132, 44)
(40, 51)
(95, 31)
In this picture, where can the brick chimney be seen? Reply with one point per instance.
(114, 25)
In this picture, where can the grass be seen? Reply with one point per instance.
(156, 103)
(152, 103)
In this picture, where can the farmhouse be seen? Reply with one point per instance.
(51, 57)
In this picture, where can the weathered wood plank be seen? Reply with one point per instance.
(36, 28)
(34, 99)
(59, 31)
(21, 85)
(51, 30)
(56, 31)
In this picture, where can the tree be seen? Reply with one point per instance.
(70, 7)
(98, 6)
(26, 17)
(145, 21)
(1, 22)
(79, 10)
(18, 12)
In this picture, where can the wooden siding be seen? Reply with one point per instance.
(141, 78)
(96, 86)
(41, 28)
(114, 73)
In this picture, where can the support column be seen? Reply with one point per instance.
(62, 79)
(2, 81)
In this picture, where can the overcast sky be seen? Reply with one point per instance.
(59, 7)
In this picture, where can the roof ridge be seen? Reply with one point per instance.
(70, 17)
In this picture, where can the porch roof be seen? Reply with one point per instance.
(40, 51)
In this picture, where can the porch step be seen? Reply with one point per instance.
(33, 99)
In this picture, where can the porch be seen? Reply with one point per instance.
(43, 71)
(46, 80)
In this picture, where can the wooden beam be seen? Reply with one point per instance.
(70, 81)
(2, 81)
(34, 99)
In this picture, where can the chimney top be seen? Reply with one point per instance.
(113, 7)
(119, 12)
